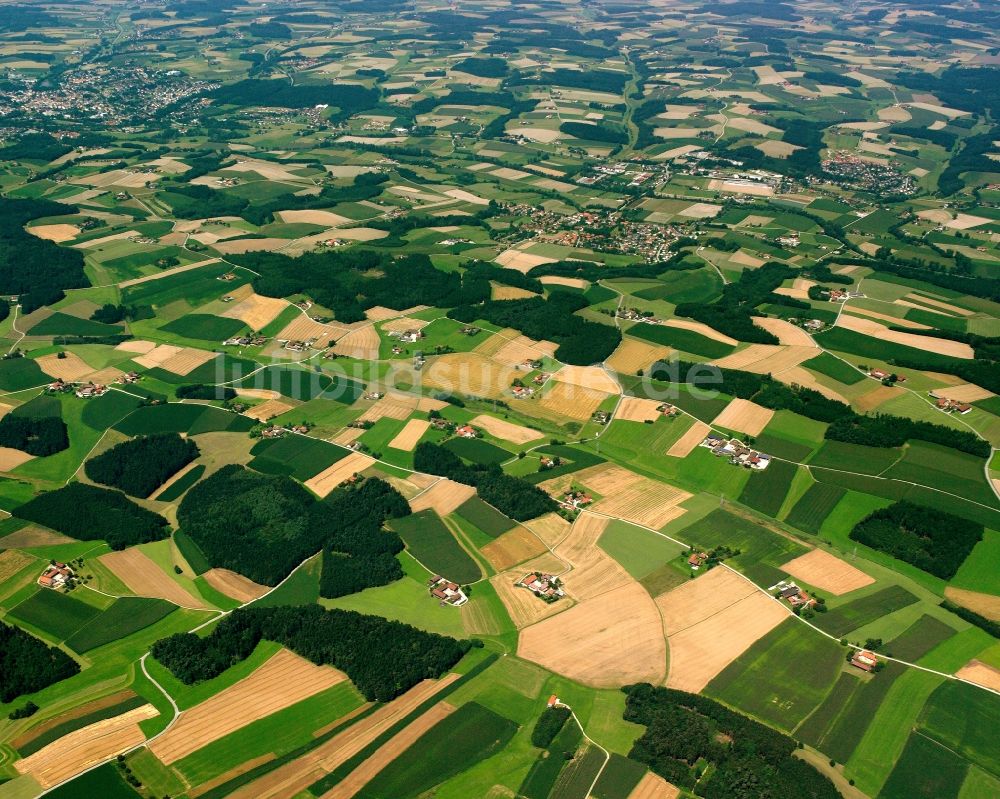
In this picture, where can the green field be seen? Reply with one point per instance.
(831, 366)
(919, 638)
(619, 778)
(20, 373)
(963, 718)
(925, 770)
(104, 781)
(298, 456)
(863, 610)
(681, 339)
(191, 552)
(205, 327)
(475, 450)
(279, 733)
(485, 517)
(60, 324)
(182, 484)
(765, 491)
(469, 735)
(431, 542)
(979, 571)
(854, 457)
(944, 469)
(182, 418)
(640, 552)
(815, 506)
(54, 613)
(756, 543)
(783, 677)
(125, 616)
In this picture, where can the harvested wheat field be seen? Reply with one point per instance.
(393, 406)
(70, 368)
(806, 379)
(403, 324)
(32, 536)
(944, 306)
(576, 402)
(56, 233)
(765, 359)
(155, 356)
(785, 331)
(507, 431)
(468, 373)
(408, 437)
(294, 777)
(514, 546)
(361, 344)
(389, 751)
(443, 497)
(591, 377)
(521, 261)
(268, 410)
(282, 681)
(144, 578)
(186, 361)
(331, 477)
(980, 673)
(744, 416)
(592, 571)
(626, 494)
(638, 409)
(12, 562)
(523, 607)
(572, 282)
(653, 786)
(685, 445)
(884, 317)
(256, 311)
(711, 621)
(939, 346)
(965, 392)
(84, 748)
(495, 341)
(234, 585)
(11, 458)
(987, 605)
(105, 376)
(550, 528)
(611, 640)
(633, 354)
(313, 218)
(137, 345)
(877, 397)
(515, 350)
(827, 572)
(502, 292)
(305, 329)
(348, 436)
(703, 329)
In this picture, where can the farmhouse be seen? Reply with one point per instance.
(576, 499)
(949, 405)
(56, 575)
(522, 392)
(466, 431)
(88, 390)
(447, 592)
(739, 454)
(697, 559)
(865, 660)
(789, 592)
(544, 586)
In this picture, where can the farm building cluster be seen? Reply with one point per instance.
(545, 586)
(739, 454)
(56, 575)
(447, 592)
(789, 592)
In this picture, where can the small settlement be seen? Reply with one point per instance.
(547, 587)
(739, 454)
(56, 575)
(447, 592)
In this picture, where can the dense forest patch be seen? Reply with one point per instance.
(140, 466)
(686, 730)
(36, 270)
(929, 539)
(28, 665)
(383, 658)
(88, 513)
(512, 496)
(263, 526)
